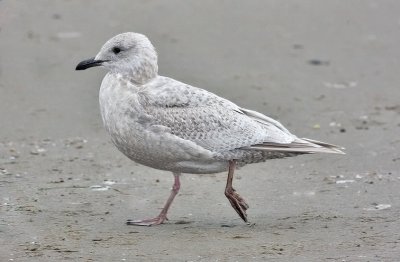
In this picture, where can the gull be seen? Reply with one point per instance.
(165, 124)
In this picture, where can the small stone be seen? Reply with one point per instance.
(317, 62)
(56, 16)
(34, 152)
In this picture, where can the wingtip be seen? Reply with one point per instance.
(329, 148)
(339, 151)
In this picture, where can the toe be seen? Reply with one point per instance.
(146, 222)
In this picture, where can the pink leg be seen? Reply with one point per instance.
(163, 215)
(237, 202)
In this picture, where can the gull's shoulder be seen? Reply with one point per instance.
(168, 92)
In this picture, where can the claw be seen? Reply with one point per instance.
(237, 202)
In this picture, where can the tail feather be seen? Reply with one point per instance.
(300, 145)
(337, 149)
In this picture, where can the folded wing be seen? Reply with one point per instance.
(218, 125)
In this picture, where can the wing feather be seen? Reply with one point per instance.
(219, 125)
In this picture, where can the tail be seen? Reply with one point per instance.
(300, 145)
(328, 148)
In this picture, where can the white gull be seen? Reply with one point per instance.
(169, 125)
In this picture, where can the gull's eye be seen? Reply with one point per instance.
(116, 50)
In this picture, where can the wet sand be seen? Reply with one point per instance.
(326, 70)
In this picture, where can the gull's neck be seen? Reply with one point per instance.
(143, 69)
(141, 75)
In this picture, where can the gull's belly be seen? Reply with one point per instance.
(164, 151)
(156, 148)
(144, 146)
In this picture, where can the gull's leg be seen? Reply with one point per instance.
(234, 198)
(163, 215)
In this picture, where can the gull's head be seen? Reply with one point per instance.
(129, 54)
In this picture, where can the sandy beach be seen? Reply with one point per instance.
(327, 70)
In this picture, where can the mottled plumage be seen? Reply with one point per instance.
(166, 124)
